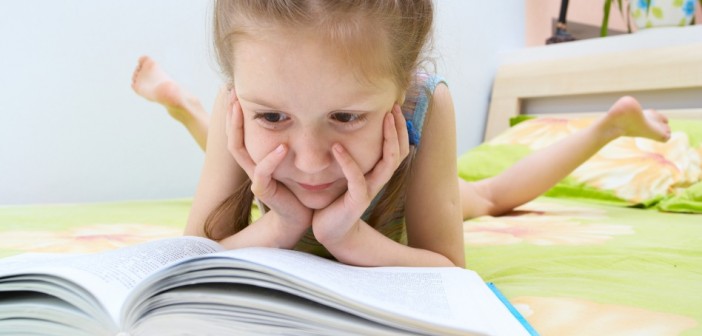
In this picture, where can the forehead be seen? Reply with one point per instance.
(303, 66)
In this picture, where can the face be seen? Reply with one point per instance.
(296, 91)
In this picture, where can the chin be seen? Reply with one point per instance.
(316, 202)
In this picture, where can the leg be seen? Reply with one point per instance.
(541, 170)
(152, 83)
(470, 202)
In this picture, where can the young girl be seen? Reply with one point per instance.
(328, 122)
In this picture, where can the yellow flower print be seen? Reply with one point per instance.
(84, 239)
(541, 132)
(542, 207)
(541, 222)
(638, 169)
(575, 317)
(538, 230)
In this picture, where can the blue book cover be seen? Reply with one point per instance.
(512, 309)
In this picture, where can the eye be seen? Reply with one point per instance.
(344, 117)
(271, 117)
(271, 120)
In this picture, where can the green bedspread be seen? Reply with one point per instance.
(576, 268)
(571, 268)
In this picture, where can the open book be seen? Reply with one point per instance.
(190, 285)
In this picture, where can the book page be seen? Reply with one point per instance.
(443, 296)
(244, 308)
(112, 274)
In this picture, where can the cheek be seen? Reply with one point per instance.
(258, 142)
(366, 148)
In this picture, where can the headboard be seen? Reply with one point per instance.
(663, 72)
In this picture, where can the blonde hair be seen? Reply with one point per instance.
(378, 38)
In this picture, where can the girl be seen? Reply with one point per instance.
(330, 124)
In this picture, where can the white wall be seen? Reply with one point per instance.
(471, 38)
(71, 129)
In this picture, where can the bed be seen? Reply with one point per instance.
(581, 260)
(615, 248)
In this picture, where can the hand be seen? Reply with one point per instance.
(332, 223)
(274, 194)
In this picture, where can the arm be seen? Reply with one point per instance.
(222, 175)
(365, 246)
(540, 171)
(434, 230)
(433, 209)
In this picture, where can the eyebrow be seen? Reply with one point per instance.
(260, 101)
(267, 104)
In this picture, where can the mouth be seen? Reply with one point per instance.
(316, 187)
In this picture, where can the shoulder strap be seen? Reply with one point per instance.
(415, 119)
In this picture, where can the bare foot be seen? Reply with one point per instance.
(627, 118)
(154, 84)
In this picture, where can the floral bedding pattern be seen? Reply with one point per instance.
(577, 268)
(626, 172)
(637, 170)
(570, 267)
(88, 228)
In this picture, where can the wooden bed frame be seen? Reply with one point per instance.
(667, 69)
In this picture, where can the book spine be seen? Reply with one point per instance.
(513, 310)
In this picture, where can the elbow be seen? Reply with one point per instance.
(459, 261)
(194, 230)
(190, 232)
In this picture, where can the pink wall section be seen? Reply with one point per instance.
(541, 13)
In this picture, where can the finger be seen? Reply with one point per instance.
(402, 134)
(392, 147)
(262, 177)
(235, 142)
(228, 124)
(384, 169)
(357, 188)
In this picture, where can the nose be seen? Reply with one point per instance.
(312, 152)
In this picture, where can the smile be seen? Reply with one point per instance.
(317, 187)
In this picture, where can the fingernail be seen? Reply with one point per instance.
(338, 148)
(280, 148)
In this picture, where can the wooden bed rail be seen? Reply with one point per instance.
(640, 71)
